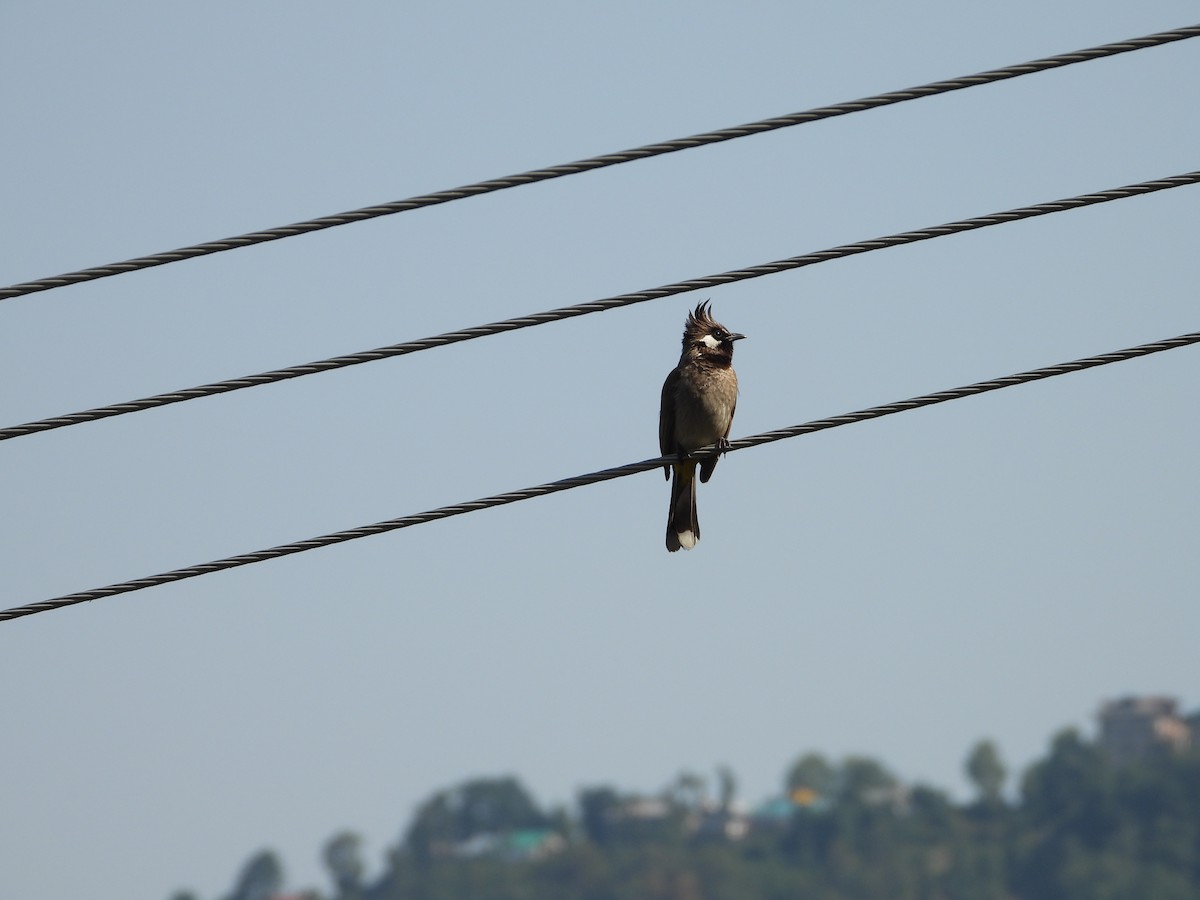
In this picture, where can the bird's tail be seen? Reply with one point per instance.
(683, 528)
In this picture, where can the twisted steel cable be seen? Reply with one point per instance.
(566, 312)
(600, 162)
(566, 484)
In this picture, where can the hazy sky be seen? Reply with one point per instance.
(993, 567)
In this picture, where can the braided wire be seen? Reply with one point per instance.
(566, 312)
(565, 484)
(600, 162)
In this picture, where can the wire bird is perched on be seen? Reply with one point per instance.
(698, 401)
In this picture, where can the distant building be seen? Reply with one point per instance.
(533, 844)
(1133, 729)
(643, 818)
(778, 812)
(896, 797)
(644, 809)
(1193, 724)
(713, 822)
(774, 813)
(520, 845)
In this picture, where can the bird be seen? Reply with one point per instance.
(699, 398)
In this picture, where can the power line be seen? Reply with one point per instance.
(566, 312)
(445, 512)
(600, 162)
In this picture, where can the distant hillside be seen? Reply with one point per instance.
(1092, 822)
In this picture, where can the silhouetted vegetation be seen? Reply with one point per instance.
(1080, 829)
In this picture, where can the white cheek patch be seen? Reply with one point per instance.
(709, 341)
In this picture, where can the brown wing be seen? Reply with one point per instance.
(666, 419)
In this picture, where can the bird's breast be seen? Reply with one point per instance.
(704, 406)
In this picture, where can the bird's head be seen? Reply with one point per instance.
(706, 337)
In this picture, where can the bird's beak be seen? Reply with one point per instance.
(735, 337)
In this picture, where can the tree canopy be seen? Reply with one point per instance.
(1081, 828)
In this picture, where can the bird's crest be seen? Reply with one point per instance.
(699, 323)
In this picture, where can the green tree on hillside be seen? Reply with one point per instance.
(987, 772)
(479, 806)
(261, 878)
(343, 859)
(812, 772)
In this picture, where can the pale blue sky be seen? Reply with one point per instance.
(991, 567)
